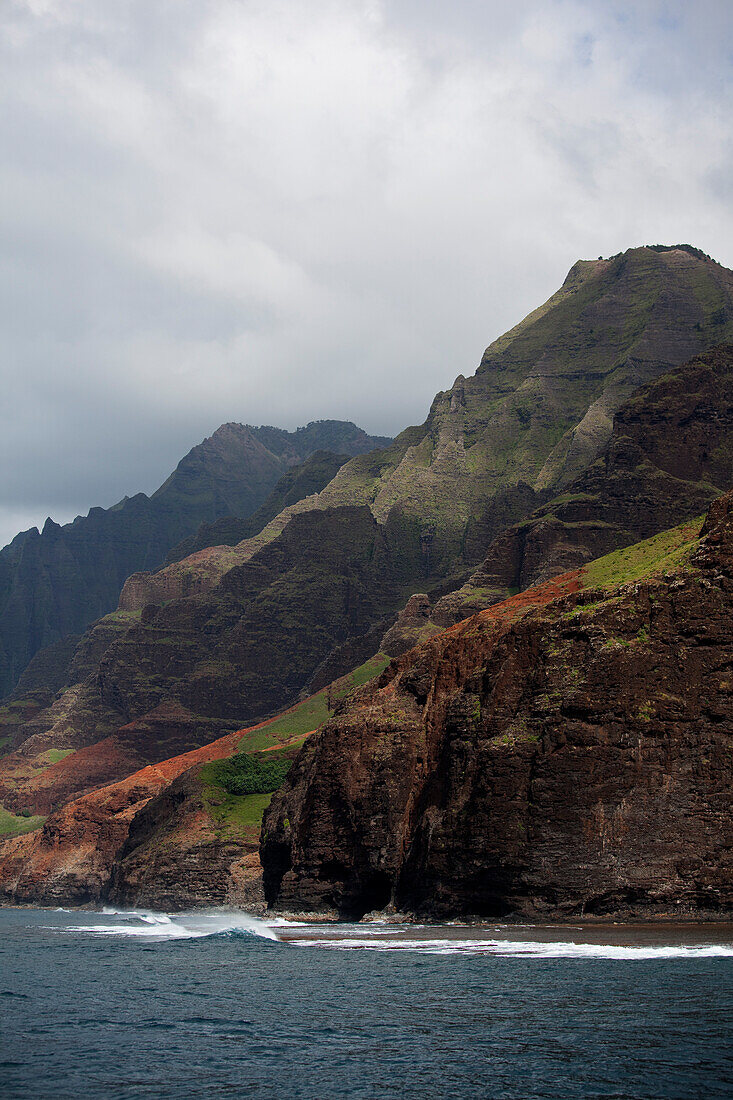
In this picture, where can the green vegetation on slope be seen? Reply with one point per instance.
(15, 824)
(665, 552)
(52, 756)
(296, 722)
(360, 676)
(237, 790)
(313, 711)
(236, 817)
(251, 772)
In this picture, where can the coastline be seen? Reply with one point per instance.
(717, 925)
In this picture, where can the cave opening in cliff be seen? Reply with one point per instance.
(368, 894)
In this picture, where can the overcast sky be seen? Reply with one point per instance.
(274, 212)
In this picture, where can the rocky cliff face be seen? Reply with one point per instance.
(180, 674)
(540, 407)
(670, 453)
(55, 583)
(179, 833)
(236, 633)
(566, 760)
(176, 856)
(70, 859)
(300, 481)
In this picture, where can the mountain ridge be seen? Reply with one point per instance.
(554, 437)
(254, 626)
(55, 582)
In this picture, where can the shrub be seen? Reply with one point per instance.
(252, 773)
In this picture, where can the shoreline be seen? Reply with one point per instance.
(585, 923)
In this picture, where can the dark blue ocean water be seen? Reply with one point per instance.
(118, 1007)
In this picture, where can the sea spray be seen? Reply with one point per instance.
(145, 923)
(636, 944)
(518, 948)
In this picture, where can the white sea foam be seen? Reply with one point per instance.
(521, 948)
(144, 923)
(160, 927)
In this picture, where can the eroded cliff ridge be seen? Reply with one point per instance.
(669, 454)
(180, 833)
(54, 583)
(472, 748)
(570, 759)
(234, 633)
(214, 643)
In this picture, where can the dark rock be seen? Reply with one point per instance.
(576, 760)
(670, 454)
(57, 583)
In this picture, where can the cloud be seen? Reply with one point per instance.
(272, 212)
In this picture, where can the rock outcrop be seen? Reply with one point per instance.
(413, 626)
(551, 761)
(176, 855)
(181, 832)
(295, 485)
(160, 837)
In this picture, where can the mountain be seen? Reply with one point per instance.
(54, 583)
(299, 482)
(182, 833)
(541, 759)
(232, 634)
(565, 752)
(540, 407)
(669, 455)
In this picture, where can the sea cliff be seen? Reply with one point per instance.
(570, 759)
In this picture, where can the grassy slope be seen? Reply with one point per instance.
(307, 716)
(237, 816)
(662, 553)
(15, 824)
(240, 816)
(29, 767)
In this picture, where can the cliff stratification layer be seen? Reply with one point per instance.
(566, 760)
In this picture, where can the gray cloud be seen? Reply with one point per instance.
(224, 209)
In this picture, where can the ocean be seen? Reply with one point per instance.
(137, 1004)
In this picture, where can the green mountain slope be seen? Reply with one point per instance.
(670, 454)
(546, 758)
(540, 406)
(238, 634)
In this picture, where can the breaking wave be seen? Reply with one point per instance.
(146, 924)
(521, 948)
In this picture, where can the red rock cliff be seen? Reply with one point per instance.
(576, 759)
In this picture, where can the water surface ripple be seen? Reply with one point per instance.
(126, 1005)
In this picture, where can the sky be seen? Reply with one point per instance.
(267, 212)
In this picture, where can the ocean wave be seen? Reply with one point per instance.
(153, 926)
(147, 924)
(522, 948)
